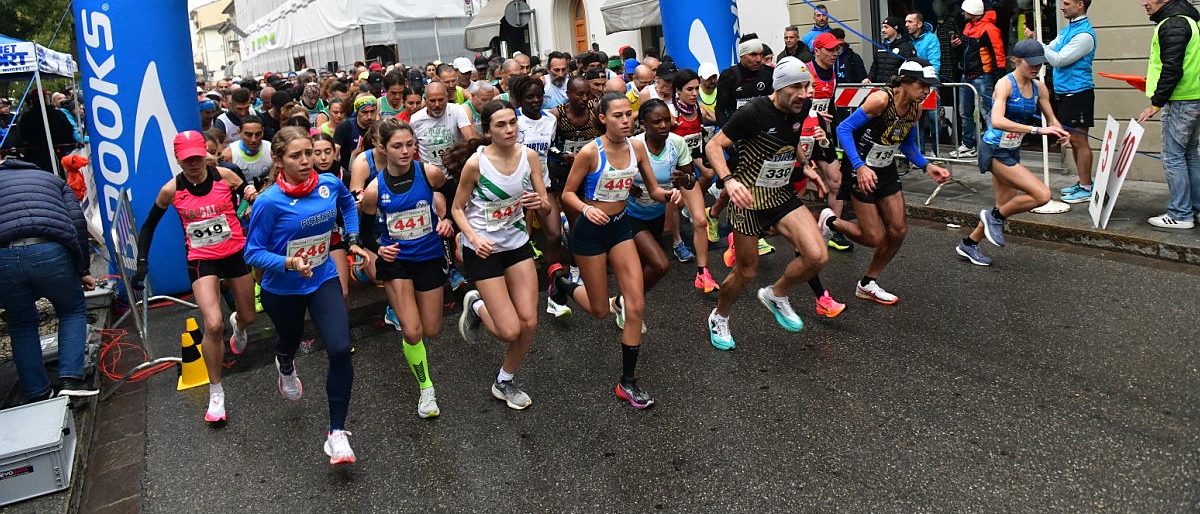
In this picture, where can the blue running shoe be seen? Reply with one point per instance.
(1068, 190)
(389, 317)
(992, 227)
(457, 281)
(1079, 195)
(683, 253)
(973, 253)
(782, 309)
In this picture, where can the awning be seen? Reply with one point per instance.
(622, 15)
(485, 25)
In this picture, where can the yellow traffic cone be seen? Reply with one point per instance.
(192, 371)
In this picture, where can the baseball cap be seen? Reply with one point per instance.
(375, 78)
(788, 71)
(463, 65)
(708, 69)
(666, 70)
(974, 7)
(630, 65)
(1030, 50)
(375, 67)
(920, 69)
(215, 95)
(189, 143)
(827, 41)
(481, 63)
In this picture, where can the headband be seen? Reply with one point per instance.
(364, 101)
(749, 46)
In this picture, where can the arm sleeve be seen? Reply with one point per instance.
(845, 133)
(259, 238)
(1173, 38)
(1074, 51)
(81, 233)
(912, 151)
(146, 235)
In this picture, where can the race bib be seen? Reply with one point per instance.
(1010, 140)
(775, 173)
(501, 214)
(410, 224)
(694, 141)
(435, 153)
(741, 102)
(881, 156)
(210, 232)
(614, 185)
(821, 105)
(573, 146)
(806, 145)
(314, 248)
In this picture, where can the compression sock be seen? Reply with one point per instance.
(415, 355)
(287, 365)
(629, 358)
(817, 288)
(866, 280)
(996, 214)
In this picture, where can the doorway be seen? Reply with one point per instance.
(579, 21)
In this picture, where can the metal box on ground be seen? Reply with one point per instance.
(37, 449)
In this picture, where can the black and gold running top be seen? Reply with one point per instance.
(569, 138)
(879, 140)
(766, 139)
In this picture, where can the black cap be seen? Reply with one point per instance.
(250, 84)
(666, 70)
(481, 63)
(375, 79)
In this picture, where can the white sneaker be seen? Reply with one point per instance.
(427, 405)
(963, 152)
(876, 294)
(557, 310)
(289, 385)
(337, 447)
(237, 341)
(823, 223)
(1166, 221)
(216, 408)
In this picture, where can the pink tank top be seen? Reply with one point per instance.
(210, 225)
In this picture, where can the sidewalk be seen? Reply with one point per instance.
(1127, 231)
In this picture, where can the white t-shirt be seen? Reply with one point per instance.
(538, 135)
(435, 135)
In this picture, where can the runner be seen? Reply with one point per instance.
(671, 160)
(825, 51)
(202, 195)
(597, 188)
(689, 124)
(289, 240)
(578, 125)
(766, 133)
(537, 128)
(870, 137)
(1016, 102)
(413, 102)
(410, 222)
(250, 152)
(333, 116)
(493, 195)
(325, 161)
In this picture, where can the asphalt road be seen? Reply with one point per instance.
(1050, 382)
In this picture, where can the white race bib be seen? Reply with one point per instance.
(742, 102)
(314, 248)
(210, 232)
(821, 105)
(775, 173)
(501, 214)
(410, 224)
(806, 145)
(574, 146)
(881, 156)
(1010, 140)
(614, 185)
(694, 141)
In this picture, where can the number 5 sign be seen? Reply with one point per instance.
(1108, 149)
(1108, 199)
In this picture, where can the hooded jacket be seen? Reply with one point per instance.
(983, 49)
(849, 66)
(928, 47)
(887, 62)
(1174, 34)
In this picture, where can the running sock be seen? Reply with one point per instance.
(629, 358)
(476, 306)
(817, 287)
(996, 214)
(215, 389)
(701, 269)
(287, 365)
(415, 355)
(970, 242)
(503, 376)
(566, 289)
(866, 280)
(829, 223)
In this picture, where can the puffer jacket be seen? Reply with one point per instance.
(983, 48)
(1173, 38)
(887, 62)
(36, 203)
(928, 47)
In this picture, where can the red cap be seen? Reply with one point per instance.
(190, 144)
(375, 66)
(826, 40)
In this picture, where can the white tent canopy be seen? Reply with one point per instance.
(622, 15)
(22, 58)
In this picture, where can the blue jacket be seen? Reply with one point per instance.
(812, 34)
(928, 47)
(37, 203)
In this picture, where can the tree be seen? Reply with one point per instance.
(36, 20)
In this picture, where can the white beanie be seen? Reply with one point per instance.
(788, 71)
(973, 7)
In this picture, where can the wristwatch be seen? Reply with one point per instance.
(1034, 131)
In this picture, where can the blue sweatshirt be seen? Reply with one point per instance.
(279, 221)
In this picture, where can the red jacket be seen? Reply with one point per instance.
(983, 49)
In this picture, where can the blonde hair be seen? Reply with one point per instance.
(279, 145)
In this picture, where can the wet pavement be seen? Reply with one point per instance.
(1050, 382)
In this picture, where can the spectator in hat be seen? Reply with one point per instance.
(982, 48)
(793, 46)
(849, 65)
(899, 49)
(744, 81)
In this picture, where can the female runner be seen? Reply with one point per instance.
(689, 124)
(410, 222)
(597, 188)
(537, 129)
(325, 161)
(489, 209)
(203, 197)
(289, 239)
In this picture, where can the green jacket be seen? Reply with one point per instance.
(1174, 71)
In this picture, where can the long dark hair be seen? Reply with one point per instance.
(457, 155)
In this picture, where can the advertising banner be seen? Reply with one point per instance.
(697, 31)
(139, 89)
(18, 57)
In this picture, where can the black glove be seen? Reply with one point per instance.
(139, 278)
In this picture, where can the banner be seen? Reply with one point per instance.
(138, 86)
(1104, 165)
(1129, 146)
(18, 58)
(697, 31)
